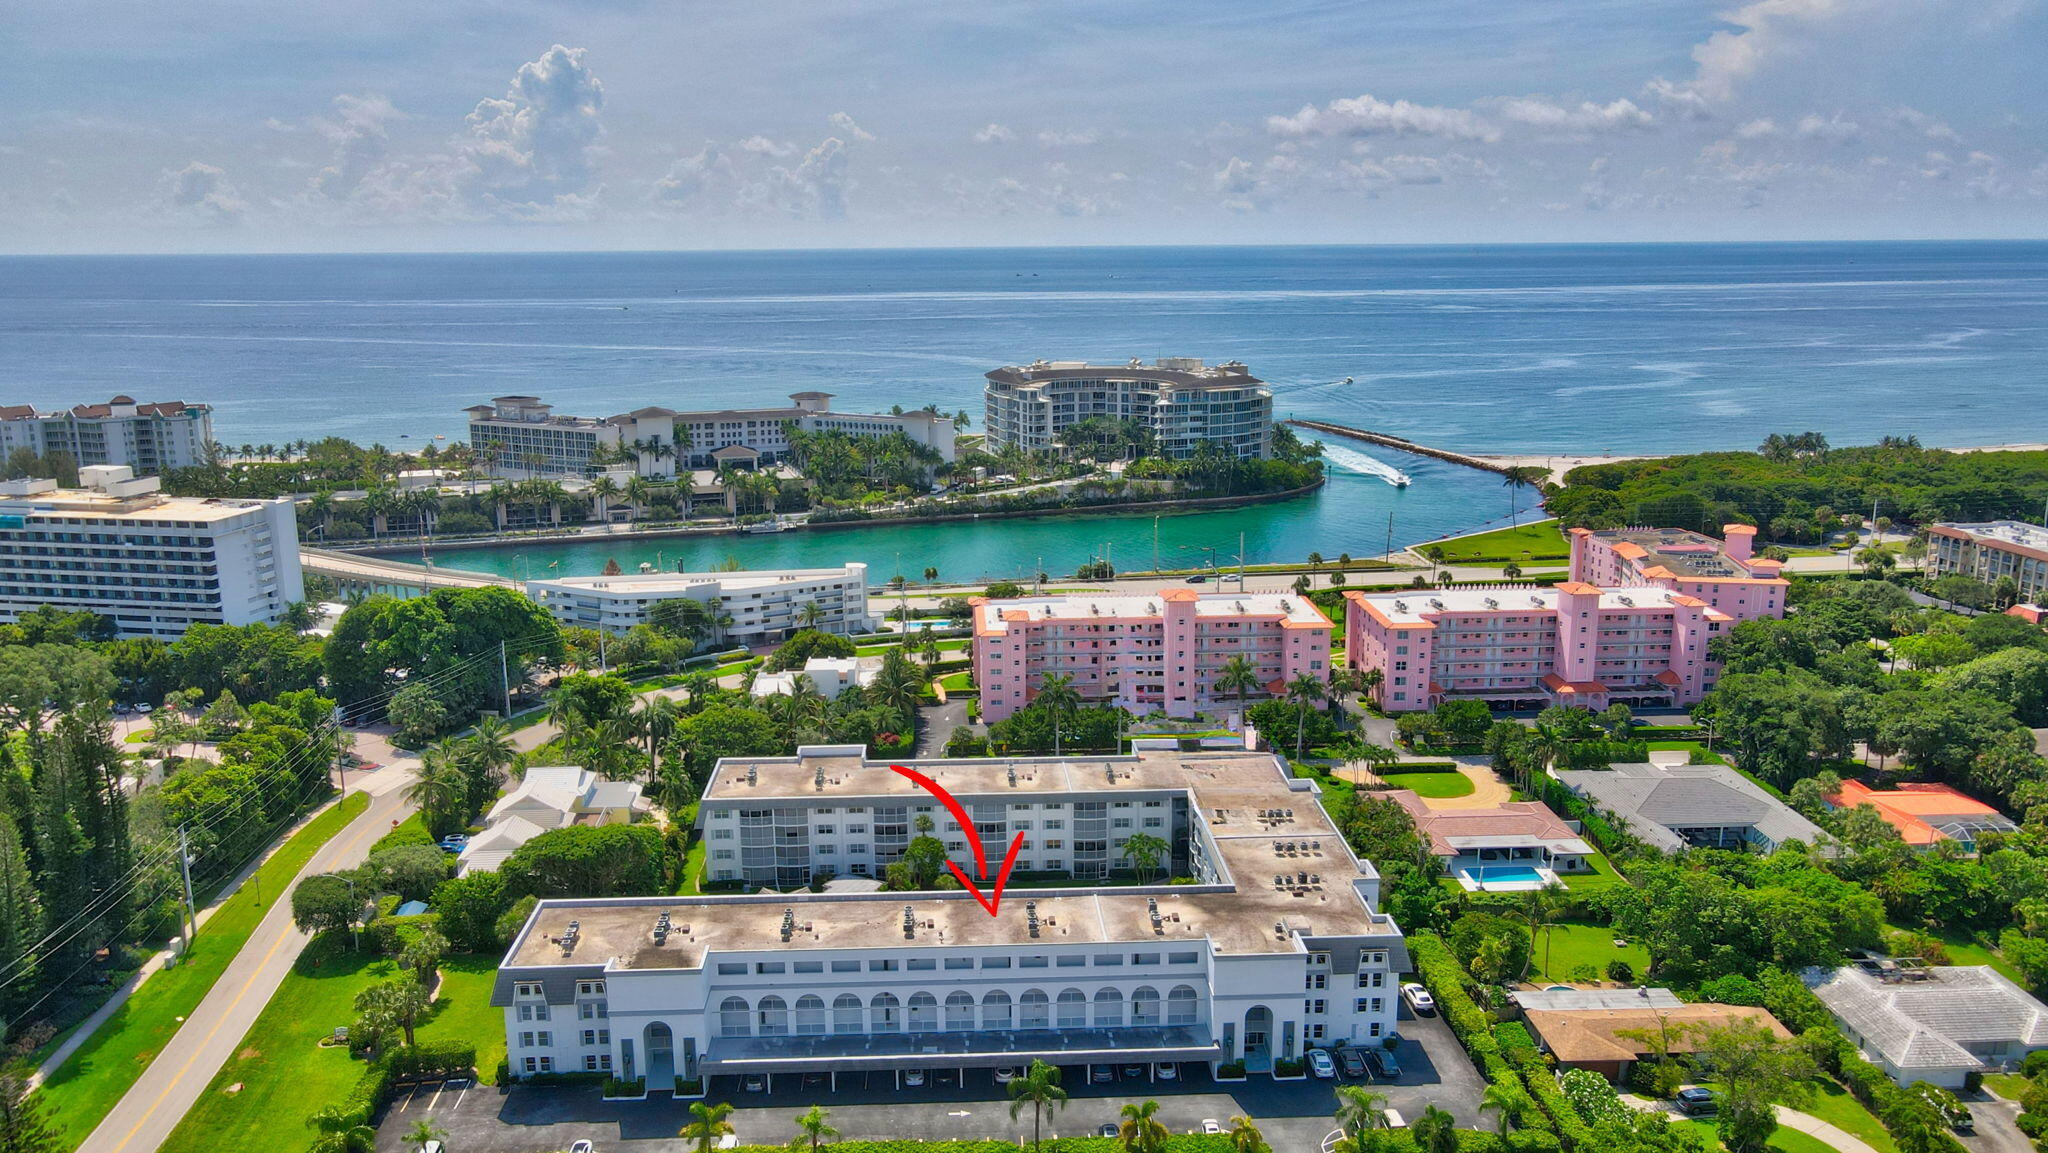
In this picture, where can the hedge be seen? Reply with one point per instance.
(1175, 1143)
(429, 1062)
(1446, 981)
(1420, 767)
(1908, 1117)
(1572, 1129)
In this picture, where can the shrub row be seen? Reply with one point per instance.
(1572, 1130)
(430, 1062)
(1175, 1143)
(1445, 978)
(1421, 767)
(1912, 1122)
(1534, 1103)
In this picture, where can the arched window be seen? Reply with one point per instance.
(846, 1015)
(888, 1013)
(732, 1018)
(924, 1012)
(810, 1015)
(1180, 1005)
(959, 1010)
(1109, 1008)
(773, 1013)
(1073, 1009)
(1034, 1010)
(996, 1011)
(1145, 1006)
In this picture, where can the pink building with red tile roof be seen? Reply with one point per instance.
(1144, 652)
(1925, 812)
(1630, 626)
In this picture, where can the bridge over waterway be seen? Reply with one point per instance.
(371, 576)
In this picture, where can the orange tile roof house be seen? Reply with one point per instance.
(1588, 1033)
(1927, 812)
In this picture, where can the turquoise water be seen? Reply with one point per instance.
(1538, 348)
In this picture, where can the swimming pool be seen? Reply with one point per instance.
(1503, 878)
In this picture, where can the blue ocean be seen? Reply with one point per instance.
(1529, 349)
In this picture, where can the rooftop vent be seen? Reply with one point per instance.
(788, 923)
(1013, 776)
(1491, 603)
(661, 928)
(1158, 922)
(909, 923)
(753, 775)
(819, 780)
(1400, 606)
(1031, 917)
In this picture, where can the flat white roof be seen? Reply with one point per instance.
(2010, 531)
(648, 584)
(96, 505)
(1208, 605)
(1425, 604)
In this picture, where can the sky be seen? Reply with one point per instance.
(392, 125)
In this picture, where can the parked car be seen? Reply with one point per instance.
(1106, 1129)
(754, 1083)
(582, 1147)
(454, 842)
(1394, 1119)
(1384, 1063)
(1166, 1071)
(1101, 1074)
(1006, 1074)
(1211, 1126)
(913, 1079)
(1198, 579)
(1697, 1102)
(1133, 1072)
(1351, 1063)
(1319, 1063)
(433, 1147)
(1418, 999)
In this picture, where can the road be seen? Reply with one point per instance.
(180, 1073)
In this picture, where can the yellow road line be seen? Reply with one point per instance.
(226, 1015)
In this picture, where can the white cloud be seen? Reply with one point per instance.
(201, 191)
(1765, 29)
(1080, 139)
(994, 134)
(844, 123)
(766, 147)
(744, 178)
(361, 141)
(532, 149)
(1915, 120)
(1586, 117)
(816, 188)
(1370, 116)
(1833, 129)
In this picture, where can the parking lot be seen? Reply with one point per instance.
(951, 1104)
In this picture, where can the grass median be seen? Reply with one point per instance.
(82, 1090)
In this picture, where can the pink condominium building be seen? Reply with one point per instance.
(1631, 626)
(1147, 653)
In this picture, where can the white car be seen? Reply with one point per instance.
(1320, 1064)
(913, 1079)
(1394, 1119)
(1418, 998)
(1006, 1074)
(1166, 1071)
(1211, 1126)
(582, 1147)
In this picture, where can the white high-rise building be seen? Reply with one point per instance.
(762, 606)
(1183, 401)
(154, 564)
(150, 438)
(1270, 943)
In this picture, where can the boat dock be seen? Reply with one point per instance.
(1388, 440)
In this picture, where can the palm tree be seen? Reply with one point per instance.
(1370, 680)
(813, 1130)
(1541, 907)
(637, 491)
(1436, 1131)
(655, 720)
(1039, 1088)
(1060, 700)
(491, 745)
(898, 683)
(1501, 1101)
(342, 1130)
(1144, 851)
(931, 574)
(1238, 675)
(423, 1131)
(1245, 1136)
(1304, 690)
(442, 789)
(709, 1126)
(603, 490)
(1141, 1131)
(1358, 1109)
(810, 615)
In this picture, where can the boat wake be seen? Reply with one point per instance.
(1352, 460)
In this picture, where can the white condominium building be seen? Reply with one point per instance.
(1988, 550)
(153, 564)
(521, 436)
(149, 438)
(1183, 400)
(1272, 944)
(762, 606)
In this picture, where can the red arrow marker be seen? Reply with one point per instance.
(959, 812)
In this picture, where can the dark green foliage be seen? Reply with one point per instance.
(324, 902)
(589, 861)
(805, 644)
(469, 908)
(450, 637)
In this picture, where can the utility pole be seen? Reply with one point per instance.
(1240, 562)
(1390, 536)
(505, 679)
(185, 873)
(603, 665)
(1155, 545)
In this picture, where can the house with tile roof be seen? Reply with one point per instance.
(1927, 812)
(1512, 846)
(1609, 1035)
(1675, 807)
(1937, 1024)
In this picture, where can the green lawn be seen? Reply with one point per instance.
(1963, 949)
(1603, 875)
(1784, 1140)
(1568, 945)
(693, 870)
(2006, 1085)
(82, 1090)
(280, 1074)
(1432, 784)
(1540, 541)
(1833, 1104)
(960, 682)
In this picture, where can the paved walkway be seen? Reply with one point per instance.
(152, 1107)
(1487, 789)
(1807, 1123)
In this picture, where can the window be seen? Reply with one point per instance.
(808, 967)
(846, 1014)
(810, 1015)
(959, 1010)
(1037, 962)
(924, 1012)
(959, 962)
(597, 1062)
(526, 1039)
(1187, 958)
(887, 966)
(1069, 961)
(1109, 958)
(544, 1039)
(732, 968)
(526, 989)
(1316, 1032)
(995, 962)
(1180, 1005)
(846, 966)
(732, 1018)
(1318, 980)
(919, 963)
(590, 988)
(1034, 1010)
(888, 1013)
(1073, 1009)
(537, 1011)
(1109, 1008)
(597, 1036)
(1315, 1008)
